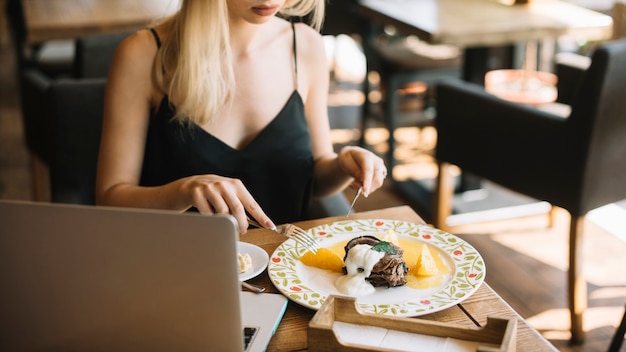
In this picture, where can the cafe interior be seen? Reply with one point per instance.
(501, 122)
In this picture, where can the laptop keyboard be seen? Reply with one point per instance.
(248, 335)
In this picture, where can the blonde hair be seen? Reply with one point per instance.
(193, 66)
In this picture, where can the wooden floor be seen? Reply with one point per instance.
(526, 260)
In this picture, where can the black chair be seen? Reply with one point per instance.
(94, 54)
(92, 59)
(76, 109)
(576, 162)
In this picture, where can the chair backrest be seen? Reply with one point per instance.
(94, 54)
(37, 124)
(76, 107)
(93, 59)
(342, 17)
(598, 128)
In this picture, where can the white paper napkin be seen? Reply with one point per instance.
(370, 336)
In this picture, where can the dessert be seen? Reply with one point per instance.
(369, 262)
(381, 260)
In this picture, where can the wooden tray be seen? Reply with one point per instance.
(497, 331)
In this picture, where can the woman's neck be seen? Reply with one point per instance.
(246, 37)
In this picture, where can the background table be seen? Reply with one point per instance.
(487, 23)
(291, 334)
(66, 19)
(471, 23)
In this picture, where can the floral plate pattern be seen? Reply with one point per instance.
(309, 286)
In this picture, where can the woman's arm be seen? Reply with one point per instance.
(127, 107)
(353, 165)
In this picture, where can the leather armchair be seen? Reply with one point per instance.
(92, 59)
(75, 107)
(94, 54)
(575, 161)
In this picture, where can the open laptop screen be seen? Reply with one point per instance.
(83, 278)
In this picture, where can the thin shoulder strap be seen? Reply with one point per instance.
(295, 57)
(156, 37)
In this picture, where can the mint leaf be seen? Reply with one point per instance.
(384, 246)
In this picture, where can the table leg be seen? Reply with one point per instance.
(479, 60)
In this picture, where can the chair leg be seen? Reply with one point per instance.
(443, 195)
(551, 216)
(40, 179)
(365, 109)
(577, 286)
(391, 116)
(618, 338)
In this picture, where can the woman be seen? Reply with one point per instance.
(222, 108)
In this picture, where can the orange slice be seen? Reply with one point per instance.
(426, 265)
(324, 259)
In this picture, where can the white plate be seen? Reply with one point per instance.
(259, 259)
(310, 286)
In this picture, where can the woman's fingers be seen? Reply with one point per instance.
(212, 194)
(368, 169)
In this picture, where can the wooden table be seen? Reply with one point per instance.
(292, 331)
(471, 23)
(487, 23)
(67, 19)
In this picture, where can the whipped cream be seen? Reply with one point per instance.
(359, 263)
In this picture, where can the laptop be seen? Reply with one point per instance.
(87, 278)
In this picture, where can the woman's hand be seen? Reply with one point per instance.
(212, 194)
(367, 169)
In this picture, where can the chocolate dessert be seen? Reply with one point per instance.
(389, 271)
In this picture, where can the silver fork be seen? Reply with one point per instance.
(292, 231)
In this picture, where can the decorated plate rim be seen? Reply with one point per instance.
(466, 277)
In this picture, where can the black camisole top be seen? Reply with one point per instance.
(276, 167)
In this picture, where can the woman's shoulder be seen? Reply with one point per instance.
(309, 42)
(306, 32)
(135, 54)
(138, 44)
(133, 61)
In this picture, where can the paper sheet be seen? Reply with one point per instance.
(370, 336)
